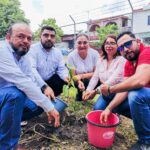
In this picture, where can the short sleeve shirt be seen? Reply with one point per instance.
(144, 58)
(83, 65)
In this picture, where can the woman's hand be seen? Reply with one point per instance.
(81, 85)
(88, 95)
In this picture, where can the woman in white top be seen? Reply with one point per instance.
(83, 59)
(109, 70)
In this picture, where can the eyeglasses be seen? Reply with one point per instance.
(127, 45)
(84, 42)
(110, 44)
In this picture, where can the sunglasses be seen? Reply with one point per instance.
(127, 45)
(84, 42)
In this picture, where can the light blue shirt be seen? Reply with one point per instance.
(46, 63)
(19, 74)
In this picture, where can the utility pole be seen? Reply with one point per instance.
(132, 15)
(74, 23)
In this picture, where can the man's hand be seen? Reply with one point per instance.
(67, 79)
(104, 115)
(88, 95)
(77, 77)
(81, 85)
(54, 114)
(49, 93)
(105, 89)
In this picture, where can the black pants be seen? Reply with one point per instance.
(79, 94)
(56, 83)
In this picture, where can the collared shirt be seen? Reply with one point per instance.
(19, 74)
(110, 75)
(46, 63)
(83, 65)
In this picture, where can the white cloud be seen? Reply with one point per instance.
(37, 10)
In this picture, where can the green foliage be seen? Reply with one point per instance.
(103, 32)
(51, 22)
(10, 13)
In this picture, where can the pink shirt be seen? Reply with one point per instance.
(111, 76)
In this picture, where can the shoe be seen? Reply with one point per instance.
(138, 146)
(24, 123)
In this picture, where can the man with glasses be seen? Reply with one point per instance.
(17, 86)
(135, 88)
(48, 64)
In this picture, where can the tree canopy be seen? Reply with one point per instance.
(10, 13)
(51, 22)
(102, 33)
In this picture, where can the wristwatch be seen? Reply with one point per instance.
(109, 90)
(98, 91)
(43, 88)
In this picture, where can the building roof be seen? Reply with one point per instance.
(106, 19)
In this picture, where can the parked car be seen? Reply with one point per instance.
(65, 52)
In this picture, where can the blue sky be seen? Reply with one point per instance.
(37, 10)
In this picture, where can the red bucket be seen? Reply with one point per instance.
(100, 134)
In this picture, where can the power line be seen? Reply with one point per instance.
(115, 8)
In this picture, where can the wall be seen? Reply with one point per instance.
(140, 21)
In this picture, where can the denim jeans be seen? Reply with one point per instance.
(14, 107)
(11, 107)
(30, 110)
(139, 101)
(103, 101)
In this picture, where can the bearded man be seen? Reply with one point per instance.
(135, 88)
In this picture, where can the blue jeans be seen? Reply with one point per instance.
(14, 107)
(11, 107)
(103, 101)
(30, 110)
(139, 101)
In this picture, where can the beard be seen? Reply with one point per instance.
(19, 50)
(47, 45)
(132, 55)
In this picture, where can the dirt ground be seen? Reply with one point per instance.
(72, 135)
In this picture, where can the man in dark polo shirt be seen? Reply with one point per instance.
(135, 88)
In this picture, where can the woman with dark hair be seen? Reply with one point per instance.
(83, 61)
(109, 70)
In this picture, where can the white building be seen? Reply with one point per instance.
(123, 23)
(141, 24)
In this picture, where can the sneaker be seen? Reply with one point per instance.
(138, 146)
(24, 123)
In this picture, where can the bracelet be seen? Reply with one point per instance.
(109, 90)
(108, 108)
(43, 88)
